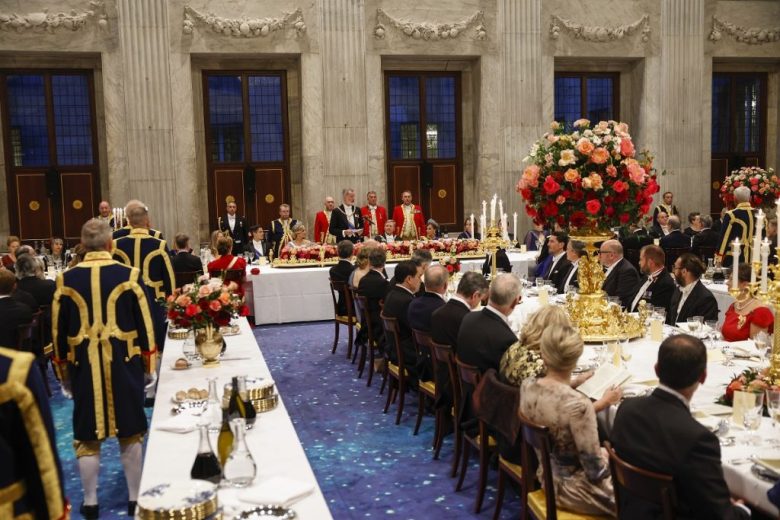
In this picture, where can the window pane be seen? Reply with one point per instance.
(265, 118)
(226, 119)
(404, 117)
(27, 115)
(568, 100)
(746, 119)
(721, 113)
(600, 96)
(72, 119)
(440, 117)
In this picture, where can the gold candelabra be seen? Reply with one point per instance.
(492, 243)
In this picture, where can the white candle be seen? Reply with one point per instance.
(493, 209)
(764, 263)
(484, 208)
(483, 226)
(735, 264)
(500, 208)
(777, 203)
(514, 225)
(505, 225)
(473, 231)
(757, 236)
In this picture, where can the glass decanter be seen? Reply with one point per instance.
(240, 469)
(213, 407)
(206, 465)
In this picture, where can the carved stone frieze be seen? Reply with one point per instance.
(749, 35)
(45, 22)
(599, 34)
(244, 27)
(430, 31)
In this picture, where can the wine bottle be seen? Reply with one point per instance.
(236, 406)
(206, 465)
(225, 439)
(249, 414)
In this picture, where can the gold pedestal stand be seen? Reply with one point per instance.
(491, 244)
(590, 311)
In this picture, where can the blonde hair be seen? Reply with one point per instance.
(361, 261)
(549, 316)
(561, 347)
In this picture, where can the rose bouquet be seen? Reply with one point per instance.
(204, 304)
(750, 380)
(763, 184)
(589, 178)
(451, 263)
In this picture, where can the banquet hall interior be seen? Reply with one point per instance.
(388, 258)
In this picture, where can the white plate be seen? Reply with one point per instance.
(176, 495)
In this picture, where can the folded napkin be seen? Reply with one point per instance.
(281, 491)
(745, 348)
(183, 423)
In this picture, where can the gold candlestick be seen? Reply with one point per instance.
(492, 243)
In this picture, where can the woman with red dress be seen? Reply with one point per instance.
(227, 262)
(747, 316)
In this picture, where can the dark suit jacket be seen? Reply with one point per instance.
(186, 262)
(41, 290)
(690, 232)
(636, 240)
(706, 238)
(700, 302)
(374, 286)
(446, 321)
(421, 310)
(339, 223)
(675, 239)
(662, 289)
(26, 298)
(340, 273)
(559, 271)
(463, 235)
(14, 313)
(483, 338)
(238, 233)
(250, 248)
(658, 433)
(574, 281)
(622, 282)
(397, 302)
(502, 262)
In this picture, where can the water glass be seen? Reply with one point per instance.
(763, 342)
(773, 405)
(751, 419)
(712, 332)
(660, 313)
(539, 282)
(728, 356)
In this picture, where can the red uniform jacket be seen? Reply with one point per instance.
(419, 220)
(321, 228)
(381, 218)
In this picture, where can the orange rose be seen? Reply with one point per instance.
(595, 181)
(599, 155)
(584, 146)
(571, 175)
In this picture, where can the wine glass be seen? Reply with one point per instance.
(712, 332)
(773, 405)
(751, 418)
(728, 356)
(762, 345)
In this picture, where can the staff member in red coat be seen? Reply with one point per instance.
(410, 222)
(374, 216)
(322, 223)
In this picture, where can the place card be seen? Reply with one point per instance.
(523, 248)
(544, 298)
(715, 356)
(742, 401)
(656, 330)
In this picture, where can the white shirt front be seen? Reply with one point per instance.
(258, 246)
(231, 221)
(686, 291)
(644, 287)
(572, 273)
(555, 260)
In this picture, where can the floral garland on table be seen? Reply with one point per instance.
(314, 252)
(763, 184)
(750, 380)
(589, 178)
(205, 303)
(451, 263)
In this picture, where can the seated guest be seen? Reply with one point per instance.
(484, 336)
(184, 261)
(468, 232)
(574, 251)
(636, 238)
(215, 236)
(299, 239)
(707, 237)
(422, 258)
(747, 316)
(543, 261)
(397, 302)
(432, 230)
(534, 239)
(692, 298)
(258, 245)
(446, 320)
(675, 239)
(228, 262)
(694, 221)
(621, 277)
(661, 227)
(389, 235)
(580, 466)
(9, 259)
(656, 286)
(341, 271)
(503, 265)
(559, 265)
(77, 255)
(657, 433)
(13, 311)
(422, 307)
(57, 258)
(31, 281)
(362, 267)
(373, 285)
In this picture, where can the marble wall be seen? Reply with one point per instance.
(148, 56)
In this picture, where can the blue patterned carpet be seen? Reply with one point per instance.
(366, 466)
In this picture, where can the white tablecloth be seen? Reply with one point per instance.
(284, 295)
(644, 352)
(722, 296)
(272, 442)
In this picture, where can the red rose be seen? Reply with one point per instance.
(609, 211)
(644, 208)
(526, 193)
(173, 314)
(621, 197)
(255, 271)
(577, 195)
(192, 310)
(757, 200)
(619, 186)
(531, 211)
(593, 206)
(577, 219)
(244, 310)
(550, 186)
(753, 180)
(450, 269)
(624, 218)
(550, 209)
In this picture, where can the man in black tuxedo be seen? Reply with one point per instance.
(422, 258)
(658, 433)
(692, 298)
(621, 277)
(341, 271)
(13, 311)
(397, 302)
(346, 221)
(636, 237)
(184, 261)
(675, 239)
(660, 227)
(422, 308)
(560, 264)
(707, 237)
(574, 251)
(484, 336)
(374, 287)
(258, 245)
(389, 235)
(656, 286)
(235, 226)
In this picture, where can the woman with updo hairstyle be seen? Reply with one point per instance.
(580, 467)
(362, 267)
(226, 261)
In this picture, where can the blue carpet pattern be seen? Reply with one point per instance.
(367, 467)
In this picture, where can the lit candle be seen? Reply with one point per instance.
(484, 208)
(777, 203)
(764, 263)
(505, 218)
(514, 224)
(735, 264)
(473, 231)
(757, 236)
(500, 208)
(483, 226)
(493, 209)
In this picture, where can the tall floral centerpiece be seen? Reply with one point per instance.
(763, 184)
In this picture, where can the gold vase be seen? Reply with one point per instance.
(208, 341)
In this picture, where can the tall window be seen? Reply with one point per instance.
(592, 96)
(738, 115)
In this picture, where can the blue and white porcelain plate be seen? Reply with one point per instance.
(176, 495)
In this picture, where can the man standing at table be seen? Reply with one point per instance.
(658, 433)
(281, 229)
(409, 218)
(665, 206)
(374, 216)
(692, 298)
(235, 226)
(621, 277)
(346, 222)
(322, 223)
(103, 342)
(737, 223)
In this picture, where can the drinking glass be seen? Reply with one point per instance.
(240, 468)
(728, 356)
(712, 332)
(773, 405)
(539, 282)
(762, 341)
(213, 407)
(751, 419)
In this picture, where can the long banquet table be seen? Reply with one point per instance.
(272, 442)
(643, 354)
(284, 295)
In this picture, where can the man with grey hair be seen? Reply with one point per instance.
(707, 237)
(31, 280)
(621, 277)
(422, 307)
(104, 345)
(346, 222)
(484, 336)
(675, 239)
(737, 224)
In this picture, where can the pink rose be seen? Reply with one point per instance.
(204, 291)
(215, 305)
(584, 146)
(183, 300)
(627, 148)
(611, 171)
